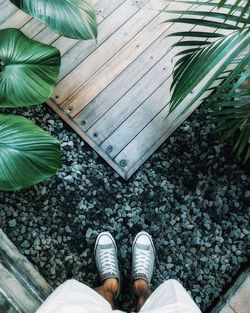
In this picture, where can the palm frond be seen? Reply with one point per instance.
(229, 107)
(215, 62)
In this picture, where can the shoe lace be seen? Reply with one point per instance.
(142, 260)
(107, 258)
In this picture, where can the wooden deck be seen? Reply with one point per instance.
(115, 92)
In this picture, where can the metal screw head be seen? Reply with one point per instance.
(123, 163)
(83, 122)
(70, 109)
(110, 149)
(95, 134)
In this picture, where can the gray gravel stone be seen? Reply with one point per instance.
(192, 195)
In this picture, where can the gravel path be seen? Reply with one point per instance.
(191, 195)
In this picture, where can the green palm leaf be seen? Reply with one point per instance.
(70, 18)
(231, 114)
(28, 69)
(220, 67)
(28, 155)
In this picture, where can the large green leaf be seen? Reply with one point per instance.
(28, 69)
(69, 18)
(28, 155)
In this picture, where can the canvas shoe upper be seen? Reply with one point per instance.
(106, 257)
(143, 257)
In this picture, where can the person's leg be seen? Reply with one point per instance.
(143, 257)
(107, 265)
(142, 291)
(108, 290)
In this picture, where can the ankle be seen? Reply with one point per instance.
(111, 285)
(141, 288)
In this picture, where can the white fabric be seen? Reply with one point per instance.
(75, 297)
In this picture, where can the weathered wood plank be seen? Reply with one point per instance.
(6, 10)
(136, 121)
(65, 45)
(114, 67)
(5, 305)
(125, 81)
(128, 78)
(104, 53)
(17, 20)
(21, 285)
(82, 49)
(12, 289)
(32, 28)
(16, 263)
(130, 101)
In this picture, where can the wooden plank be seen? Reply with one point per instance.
(141, 117)
(17, 264)
(137, 121)
(6, 9)
(125, 81)
(5, 305)
(128, 78)
(12, 289)
(130, 101)
(17, 20)
(109, 26)
(111, 46)
(65, 45)
(115, 66)
(32, 28)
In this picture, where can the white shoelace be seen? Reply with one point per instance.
(107, 258)
(142, 260)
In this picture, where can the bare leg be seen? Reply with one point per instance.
(142, 291)
(108, 290)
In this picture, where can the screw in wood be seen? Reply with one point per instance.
(123, 163)
(70, 109)
(83, 122)
(95, 134)
(109, 149)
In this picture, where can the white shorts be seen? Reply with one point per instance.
(75, 297)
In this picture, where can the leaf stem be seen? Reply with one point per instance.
(2, 66)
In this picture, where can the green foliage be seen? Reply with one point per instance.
(28, 70)
(69, 18)
(28, 155)
(222, 56)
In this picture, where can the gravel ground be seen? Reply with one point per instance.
(191, 195)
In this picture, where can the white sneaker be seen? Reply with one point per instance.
(106, 257)
(143, 257)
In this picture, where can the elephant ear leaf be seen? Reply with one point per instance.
(70, 18)
(28, 70)
(28, 155)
